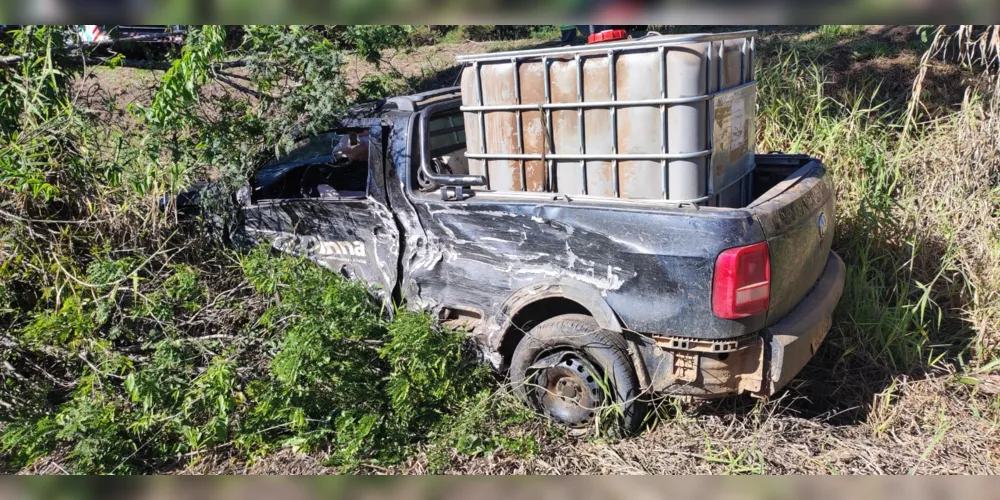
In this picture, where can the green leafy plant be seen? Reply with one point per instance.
(130, 340)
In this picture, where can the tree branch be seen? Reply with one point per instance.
(157, 65)
(242, 88)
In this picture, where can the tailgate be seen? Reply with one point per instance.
(798, 219)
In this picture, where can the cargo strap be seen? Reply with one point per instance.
(545, 144)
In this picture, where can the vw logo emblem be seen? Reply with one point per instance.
(822, 224)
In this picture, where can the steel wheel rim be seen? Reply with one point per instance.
(568, 391)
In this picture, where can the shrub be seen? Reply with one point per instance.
(422, 35)
(131, 341)
(320, 366)
(494, 32)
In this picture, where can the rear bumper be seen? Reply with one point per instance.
(760, 366)
(791, 342)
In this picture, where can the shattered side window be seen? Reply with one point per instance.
(326, 166)
(447, 134)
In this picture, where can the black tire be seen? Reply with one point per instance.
(605, 351)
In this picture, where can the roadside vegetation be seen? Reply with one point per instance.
(917, 206)
(130, 342)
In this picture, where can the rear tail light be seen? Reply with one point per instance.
(742, 283)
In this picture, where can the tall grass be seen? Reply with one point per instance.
(915, 214)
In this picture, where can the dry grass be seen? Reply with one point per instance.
(961, 161)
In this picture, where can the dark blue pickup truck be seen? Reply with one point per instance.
(579, 300)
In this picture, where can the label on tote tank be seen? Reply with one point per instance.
(733, 133)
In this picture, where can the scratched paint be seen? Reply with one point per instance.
(640, 269)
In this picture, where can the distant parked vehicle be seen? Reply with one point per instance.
(142, 41)
(104, 32)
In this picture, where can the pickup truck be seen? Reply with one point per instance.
(580, 301)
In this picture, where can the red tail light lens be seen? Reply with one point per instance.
(742, 283)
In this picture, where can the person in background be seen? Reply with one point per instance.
(569, 31)
(568, 34)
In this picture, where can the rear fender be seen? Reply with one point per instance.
(587, 296)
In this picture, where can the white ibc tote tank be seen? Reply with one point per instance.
(638, 119)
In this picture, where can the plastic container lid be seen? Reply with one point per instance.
(607, 36)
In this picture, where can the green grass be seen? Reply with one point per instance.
(873, 49)
(840, 31)
(742, 461)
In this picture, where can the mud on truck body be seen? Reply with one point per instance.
(569, 294)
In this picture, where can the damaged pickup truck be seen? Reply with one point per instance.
(601, 230)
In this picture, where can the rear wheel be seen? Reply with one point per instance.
(573, 371)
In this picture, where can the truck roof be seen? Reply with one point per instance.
(415, 102)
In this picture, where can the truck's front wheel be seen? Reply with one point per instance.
(573, 371)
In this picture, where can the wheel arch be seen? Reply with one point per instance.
(538, 302)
